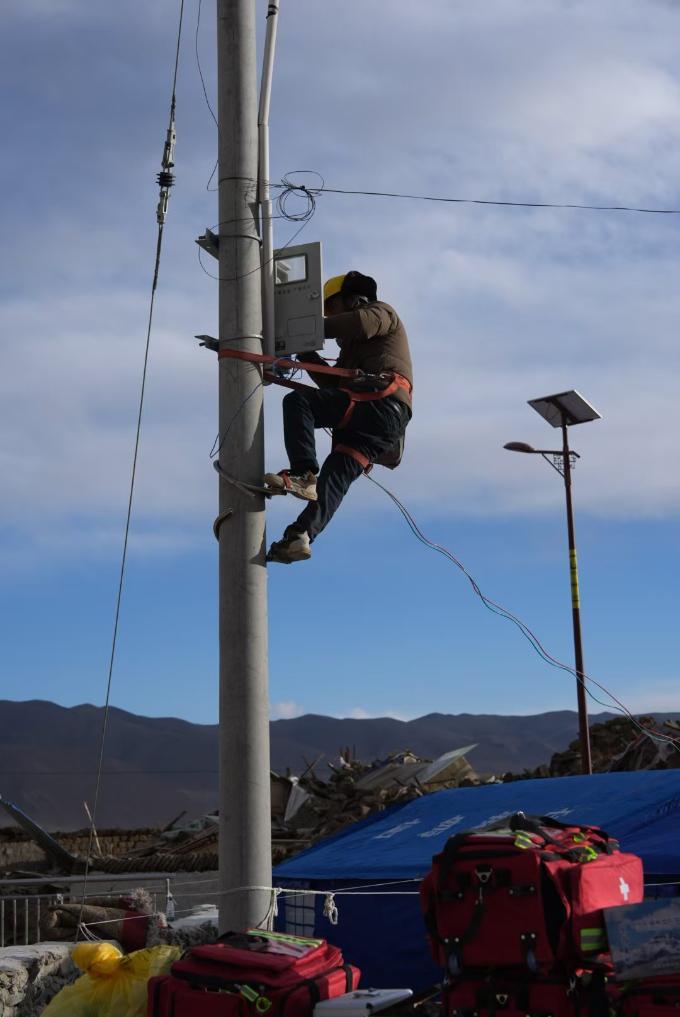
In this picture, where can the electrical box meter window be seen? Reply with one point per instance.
(298, 300)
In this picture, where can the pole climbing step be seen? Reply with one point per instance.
(252, 489)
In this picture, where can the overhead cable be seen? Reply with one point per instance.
(302, 216)
(323, 189)
(165, 181)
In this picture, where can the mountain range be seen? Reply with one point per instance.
(156, 767)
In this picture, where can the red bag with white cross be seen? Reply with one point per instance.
(526, 891)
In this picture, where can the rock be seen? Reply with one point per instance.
(31, 975)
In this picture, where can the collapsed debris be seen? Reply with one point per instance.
(304, 810)
(616, 745)
(354, 790)
(320, 802)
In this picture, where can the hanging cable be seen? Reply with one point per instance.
(498, 609)
(205, 91)
(219, 443)
(200, 71)
(302, 216)
(165, 180)
(305, 192)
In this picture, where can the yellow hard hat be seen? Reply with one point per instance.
(333, 286)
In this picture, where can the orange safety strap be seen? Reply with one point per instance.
(266, 358)
(353, 453)
(399, 381)
(299, 386)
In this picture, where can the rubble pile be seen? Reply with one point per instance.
(318, 807)
(305, 809)
(615, 745)
(329, 805)
(644, 753)
(321, 802)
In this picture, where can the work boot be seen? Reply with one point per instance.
(293, 547)
(302, 485)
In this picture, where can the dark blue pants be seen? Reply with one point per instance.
(373, 429)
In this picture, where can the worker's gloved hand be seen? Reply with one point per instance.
(310, 358)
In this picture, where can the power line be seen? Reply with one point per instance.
(165, 181)
(477, 201)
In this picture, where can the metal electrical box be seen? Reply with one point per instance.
(298, 300)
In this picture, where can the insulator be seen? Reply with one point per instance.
(165, 178)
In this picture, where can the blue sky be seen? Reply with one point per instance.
(543, 101)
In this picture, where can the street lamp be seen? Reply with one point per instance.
(564, 410)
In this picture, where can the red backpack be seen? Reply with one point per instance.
(252, 974)
(502, 996)
(526, 891)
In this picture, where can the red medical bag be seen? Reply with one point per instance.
(252, 974)
(504, 996)
(526, 891)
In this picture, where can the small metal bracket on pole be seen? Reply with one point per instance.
(209, 342)
(210, 243)
(556, 459)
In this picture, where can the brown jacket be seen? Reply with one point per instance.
(373, 339)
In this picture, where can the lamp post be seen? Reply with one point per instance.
(564, 410)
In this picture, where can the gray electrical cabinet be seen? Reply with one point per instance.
(298, 300)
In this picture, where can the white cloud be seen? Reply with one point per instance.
(552, 100)
(359, 713)
(286, 710)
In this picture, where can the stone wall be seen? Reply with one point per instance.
(17, 849)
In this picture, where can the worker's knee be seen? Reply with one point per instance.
(293, 401)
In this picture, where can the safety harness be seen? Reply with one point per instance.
(390, 382)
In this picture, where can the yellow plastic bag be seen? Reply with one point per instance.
(114, 985)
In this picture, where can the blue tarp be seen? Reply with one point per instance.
(384, 934)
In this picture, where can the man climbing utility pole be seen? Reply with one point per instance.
(245, 823)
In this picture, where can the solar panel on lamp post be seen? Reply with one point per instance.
(563, 410)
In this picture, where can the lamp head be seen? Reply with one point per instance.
(519, 446)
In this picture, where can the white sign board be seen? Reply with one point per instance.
(298, 299)
(644, 939)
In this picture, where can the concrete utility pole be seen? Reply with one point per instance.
(245, 823)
